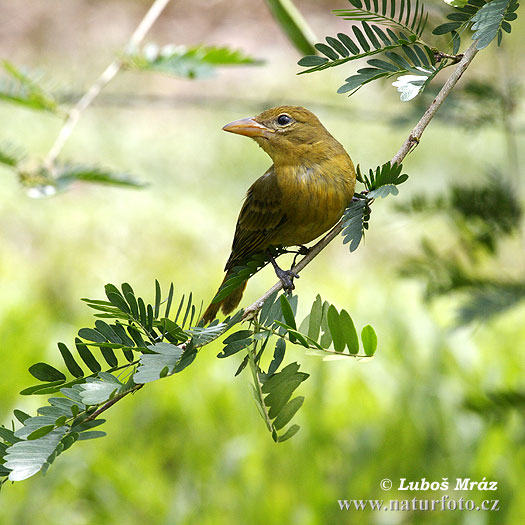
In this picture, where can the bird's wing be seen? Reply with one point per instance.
(260, 217)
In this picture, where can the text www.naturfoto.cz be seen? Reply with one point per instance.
(443, 504)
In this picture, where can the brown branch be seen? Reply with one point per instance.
(408, 145)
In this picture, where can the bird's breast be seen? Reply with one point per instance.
(313, 198)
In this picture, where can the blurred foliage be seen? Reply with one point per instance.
(435, 403)
(293, 24)
(479, 219)
(23, 88)
(45, 179)
(187, 62)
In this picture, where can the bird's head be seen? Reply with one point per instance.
(287, 134)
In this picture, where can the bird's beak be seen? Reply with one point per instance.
(248, 127)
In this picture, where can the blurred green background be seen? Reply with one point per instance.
(192, 448)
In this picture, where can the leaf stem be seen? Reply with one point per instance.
(412, 141)
(109, 73)
(111, 402)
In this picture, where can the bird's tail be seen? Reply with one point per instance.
(227, 305)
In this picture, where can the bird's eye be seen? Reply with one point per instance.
(283, 119)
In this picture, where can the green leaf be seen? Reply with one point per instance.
(289, 433)
(371, 35)
(349, 44)
(364, 76)
(203, 336)
(365, 46)
(91, 335)
(316, 316)
(349, 332)
(265, 315)
(115, 298)
(129, 295)
(338, 46)
(279, 396)
(448, 27)
(157, 299)
(234, 347)
(21, 416)
(369, 339)
(69, 360)
(312, 61)
(326, 338)
(8, 435)
(151, 365)
(45, 372)
(99, 390)
(352, 226)
(327, 50)
(383, 64)
(81, 425)
(488, 21)
(26, 458)
(40, 388)
(287, 312)
(92, 434)
(411, 21)
(40, 432)
(282, 376)
(87, 356)
(278, 356)
(107, 332)
(53, 411)
(456, 42)
(336, 331)
(34, 423)
(237, 336)
(288, 412)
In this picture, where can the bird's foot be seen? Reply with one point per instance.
(286, 277)
(303, 250)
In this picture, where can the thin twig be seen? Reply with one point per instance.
(111, 402)
(74, 114)
(408, 145)
(414, 137)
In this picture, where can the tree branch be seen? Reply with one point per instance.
(74, 114)
(408, 145)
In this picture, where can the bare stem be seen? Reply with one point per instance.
(109, 73)
(408, 145)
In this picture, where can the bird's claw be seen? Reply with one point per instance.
(286, 277)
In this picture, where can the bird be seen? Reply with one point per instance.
(301, 196)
